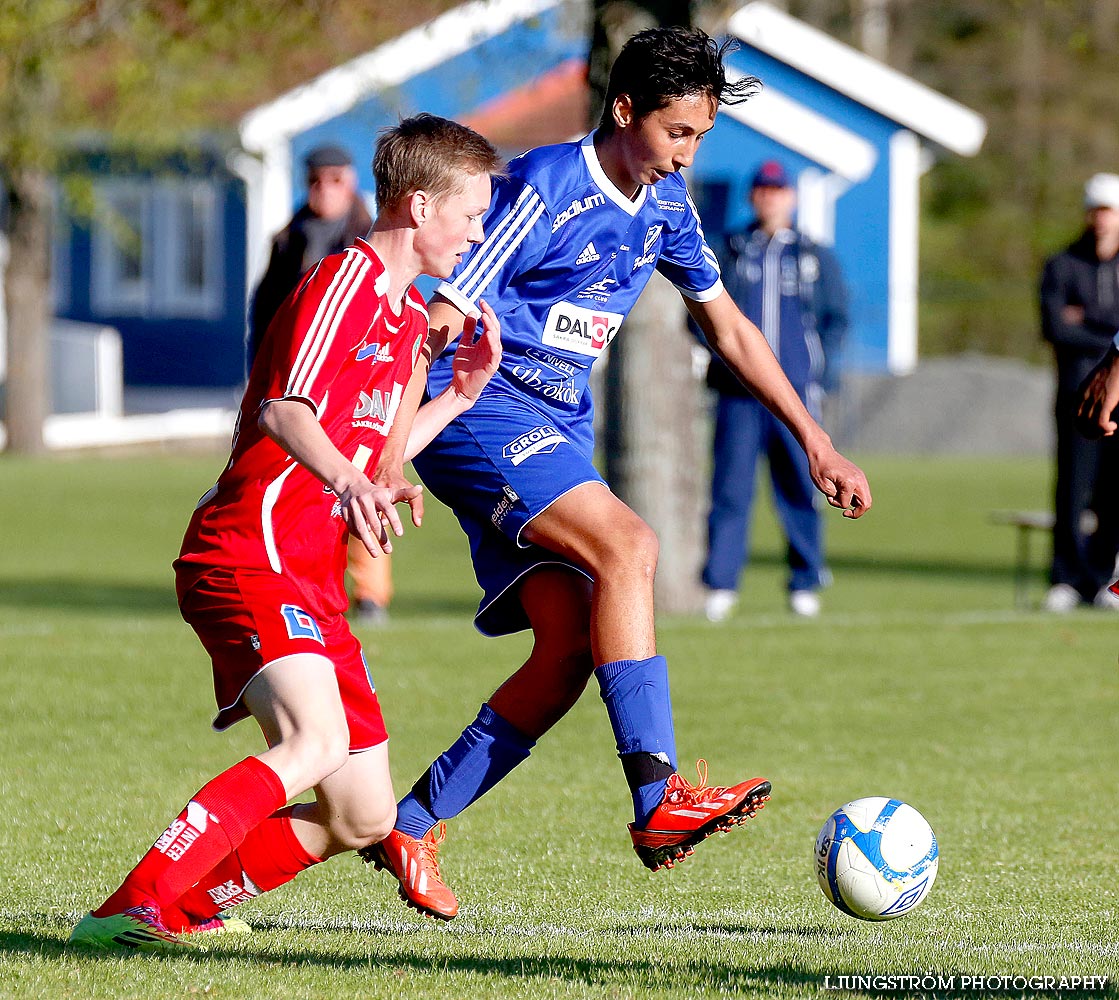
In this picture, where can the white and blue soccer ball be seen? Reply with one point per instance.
(876, 858)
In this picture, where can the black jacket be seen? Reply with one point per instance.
(1077, 277)
(288, 263)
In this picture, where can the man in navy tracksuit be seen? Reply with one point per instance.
(793, 291)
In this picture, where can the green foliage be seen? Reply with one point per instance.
(1045, 75)
(919, 680)
(144, 72)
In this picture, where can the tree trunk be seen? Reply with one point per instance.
(654, 452)
(872, 19)
(655, 448)
(27, 295)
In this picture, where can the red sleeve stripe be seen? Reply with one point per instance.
(316, 344)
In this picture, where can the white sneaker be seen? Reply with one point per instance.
(719, 604)
(1107, 599)
(805, 603)
(1061, 598)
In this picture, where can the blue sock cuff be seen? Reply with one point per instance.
(490, 722)
(646, 799)
(608, 672)
(637, 700)
(412, 818)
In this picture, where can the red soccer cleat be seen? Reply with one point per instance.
(689, 814)
(415, 865)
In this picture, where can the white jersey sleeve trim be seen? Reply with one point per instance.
(315, 409)
(505, 239)
(708, 295)
(456, 298)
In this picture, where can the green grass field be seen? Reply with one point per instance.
(919, 681)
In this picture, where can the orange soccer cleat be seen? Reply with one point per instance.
(689, 814)
(415, 865)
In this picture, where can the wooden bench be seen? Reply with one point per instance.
(1027, 522)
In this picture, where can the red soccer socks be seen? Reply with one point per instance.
(214, 824)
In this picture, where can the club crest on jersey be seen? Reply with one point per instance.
(651, 235)
(538, 441)
(583, 331)
(578, 207)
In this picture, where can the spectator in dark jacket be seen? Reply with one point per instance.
(792, 289)
(1079, 317)
(328, 223)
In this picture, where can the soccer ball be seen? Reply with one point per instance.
(876, 858)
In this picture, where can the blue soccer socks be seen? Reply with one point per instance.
(488, 749)
(640, 709)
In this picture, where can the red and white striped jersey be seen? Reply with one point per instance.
(337, 345)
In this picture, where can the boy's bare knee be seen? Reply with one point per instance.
(355, 831)
(308, 758)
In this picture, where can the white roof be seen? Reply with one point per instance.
(803, 130)
(406, 56)
(858, 76)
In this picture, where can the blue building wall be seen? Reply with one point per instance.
(731, 153)
(166, 349)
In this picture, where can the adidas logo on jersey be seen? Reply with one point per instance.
(380, 353)
(588, 256)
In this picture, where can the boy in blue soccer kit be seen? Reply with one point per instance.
(573, 236)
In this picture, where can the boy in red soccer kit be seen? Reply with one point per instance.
(260, 573)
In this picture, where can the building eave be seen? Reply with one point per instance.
(894, 95)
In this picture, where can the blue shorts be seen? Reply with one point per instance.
(497, 467)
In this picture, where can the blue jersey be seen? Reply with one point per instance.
(565, 257)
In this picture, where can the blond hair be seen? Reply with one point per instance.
(428, 153)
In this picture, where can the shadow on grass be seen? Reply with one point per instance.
(520, 969)
(88, 595)
(676, 977)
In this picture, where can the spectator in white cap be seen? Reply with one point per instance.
(1079, 316)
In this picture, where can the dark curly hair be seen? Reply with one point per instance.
(660, 65)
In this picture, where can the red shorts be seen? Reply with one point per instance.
(249, 620)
